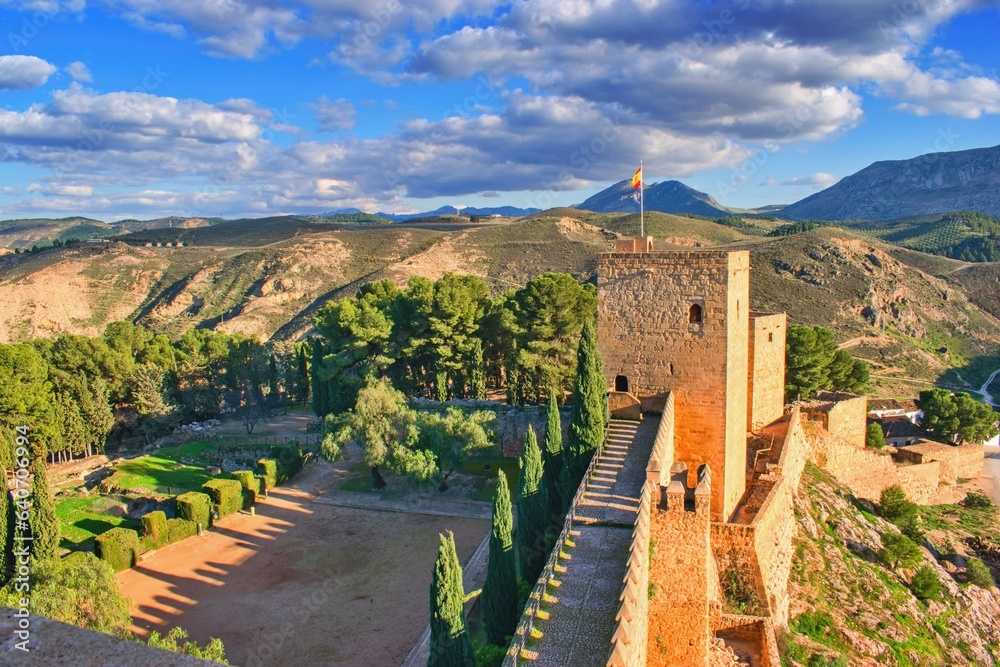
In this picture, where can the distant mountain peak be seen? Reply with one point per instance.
(665, 197)
(926, 184)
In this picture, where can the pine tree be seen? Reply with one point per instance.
(531, 511)
(319, 393)
(450, 645)
(500, 590)
(6, 531)
(588, 419)
(552, 456)
(43, 520)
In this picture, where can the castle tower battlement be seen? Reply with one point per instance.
(678, 322)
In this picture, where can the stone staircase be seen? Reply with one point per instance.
(584, 600)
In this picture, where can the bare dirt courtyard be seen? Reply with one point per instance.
(300, 583)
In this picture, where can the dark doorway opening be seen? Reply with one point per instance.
(621, 383)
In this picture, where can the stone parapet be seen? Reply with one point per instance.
(662, 458)
(628, 645)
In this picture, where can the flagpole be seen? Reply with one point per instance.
(642, 206)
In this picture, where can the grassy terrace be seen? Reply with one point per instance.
(83, 516)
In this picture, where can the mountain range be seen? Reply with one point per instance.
(893, 189)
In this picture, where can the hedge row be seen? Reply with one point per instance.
(249, 481)
(269, 472)
(154, 529)
(119, 547)
(194, 506)
(226, 495)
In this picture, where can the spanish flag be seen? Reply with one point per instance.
(637, 179)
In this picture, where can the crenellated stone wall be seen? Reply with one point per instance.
(662, 457)
(679, 632)
(628, 644)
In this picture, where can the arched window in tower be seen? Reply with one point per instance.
(694, 315)
(621, 383)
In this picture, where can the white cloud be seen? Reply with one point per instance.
(24, 72)
(11, 191)
(820, 180)
(55, 189)
(336, 115)
(79, 72)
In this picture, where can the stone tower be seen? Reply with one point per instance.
(678, 321)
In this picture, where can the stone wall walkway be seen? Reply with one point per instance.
(582, 620)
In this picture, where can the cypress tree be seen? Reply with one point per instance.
(552, 457)
(477, 371)
(272, 378)
(450, 643)
(531, 511)
(500, 590)
(302, 379)
(43, 520)
(589, 416)
(319, 393)
(6, 530)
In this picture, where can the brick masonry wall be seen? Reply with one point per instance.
(766, 373)
(644, 334)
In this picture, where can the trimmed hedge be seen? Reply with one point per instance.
(248, 480)
(269, 470)
(194, 506)
(180, 529)
(154, 528)
(289, 460)
(226, 495)
(117, 547)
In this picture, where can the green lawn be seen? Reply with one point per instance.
(486, 482)
(81, 518)
(156, 474)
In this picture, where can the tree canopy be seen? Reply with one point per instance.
(956, 417)
(813, 363)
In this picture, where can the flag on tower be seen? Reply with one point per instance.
(637, 178)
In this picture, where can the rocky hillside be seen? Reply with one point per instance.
(933, 183)
(912, 315)
(849, 609)
(666, 197)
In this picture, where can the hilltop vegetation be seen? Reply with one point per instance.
(849, 607)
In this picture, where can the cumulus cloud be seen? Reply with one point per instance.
(79, 72)
(24, 72)
(336, 115)
(560, 94)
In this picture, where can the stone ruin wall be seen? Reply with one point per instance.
(837, 441)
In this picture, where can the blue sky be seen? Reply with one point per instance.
(144, 108)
